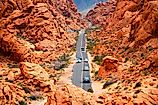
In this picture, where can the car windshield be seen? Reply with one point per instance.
(78, 58)
(86, 78)
(86, 66)
(86, 59)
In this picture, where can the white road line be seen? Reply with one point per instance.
(81, 65)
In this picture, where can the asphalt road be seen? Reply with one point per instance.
(78, 73)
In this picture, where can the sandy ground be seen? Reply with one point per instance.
(96, 85)
(67, 74)
(39, 102)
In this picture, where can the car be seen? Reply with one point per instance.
(86, 79)
(82, 49)
(86, 68)
(78, 60)
(85, 60)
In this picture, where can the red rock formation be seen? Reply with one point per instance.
(31, 82)
(129, 30)
(99, 14)
(25, 26)
(107, 67)
(128, 34)
(35, 32)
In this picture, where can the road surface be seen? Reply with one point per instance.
(78, 73)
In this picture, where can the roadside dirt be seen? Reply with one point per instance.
(67, 73)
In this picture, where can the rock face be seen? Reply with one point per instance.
(127, 33)
(108, 66)
(35, 30)
(99, 13)
(31, 82)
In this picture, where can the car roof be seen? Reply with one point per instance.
(86, 77)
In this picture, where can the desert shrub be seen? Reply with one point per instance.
(63, 62)
(138, 84)
(96, 73)
(149, 48)
(90, 90)
(98, 59)
(22, 103)
(108, 83)
(13, 65)
(33, 97)
(126, 59)
(64, 57)
(90, 44)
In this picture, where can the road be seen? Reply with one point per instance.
(78, 73)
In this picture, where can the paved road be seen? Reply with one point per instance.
(78, 73)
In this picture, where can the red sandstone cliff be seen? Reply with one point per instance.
(35, 30)
(128, 33)
(131, 30)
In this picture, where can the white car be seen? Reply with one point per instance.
(78, 60)
(86, 68)
(85, 60)
(86, 79)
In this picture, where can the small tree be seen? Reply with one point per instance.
(90, 90)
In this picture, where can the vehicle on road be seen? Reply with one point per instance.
(78, 60)
(86, 60)
(82, 49)
(86, 68)
(86, 79)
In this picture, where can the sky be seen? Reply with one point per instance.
(85, 4)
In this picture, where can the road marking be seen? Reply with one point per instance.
(81, 63)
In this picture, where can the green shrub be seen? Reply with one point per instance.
(22, 103)
(90, 44)
(90, 90)
(63, 62)
(150, 48)
(13, 65)
(98, 59)
(138, 84)
(26, 89)
(64, 57)
(32, 97)
(87, 31)
(126, 59)
(96, 73)
(11, 81)
(108, 83)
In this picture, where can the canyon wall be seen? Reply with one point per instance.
(125, 35)
(38, 30)
(34, 33)
(128, 31)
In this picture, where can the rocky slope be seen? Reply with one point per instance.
(127, 32)
(30, 84)
(34, 31)
(100, 12)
